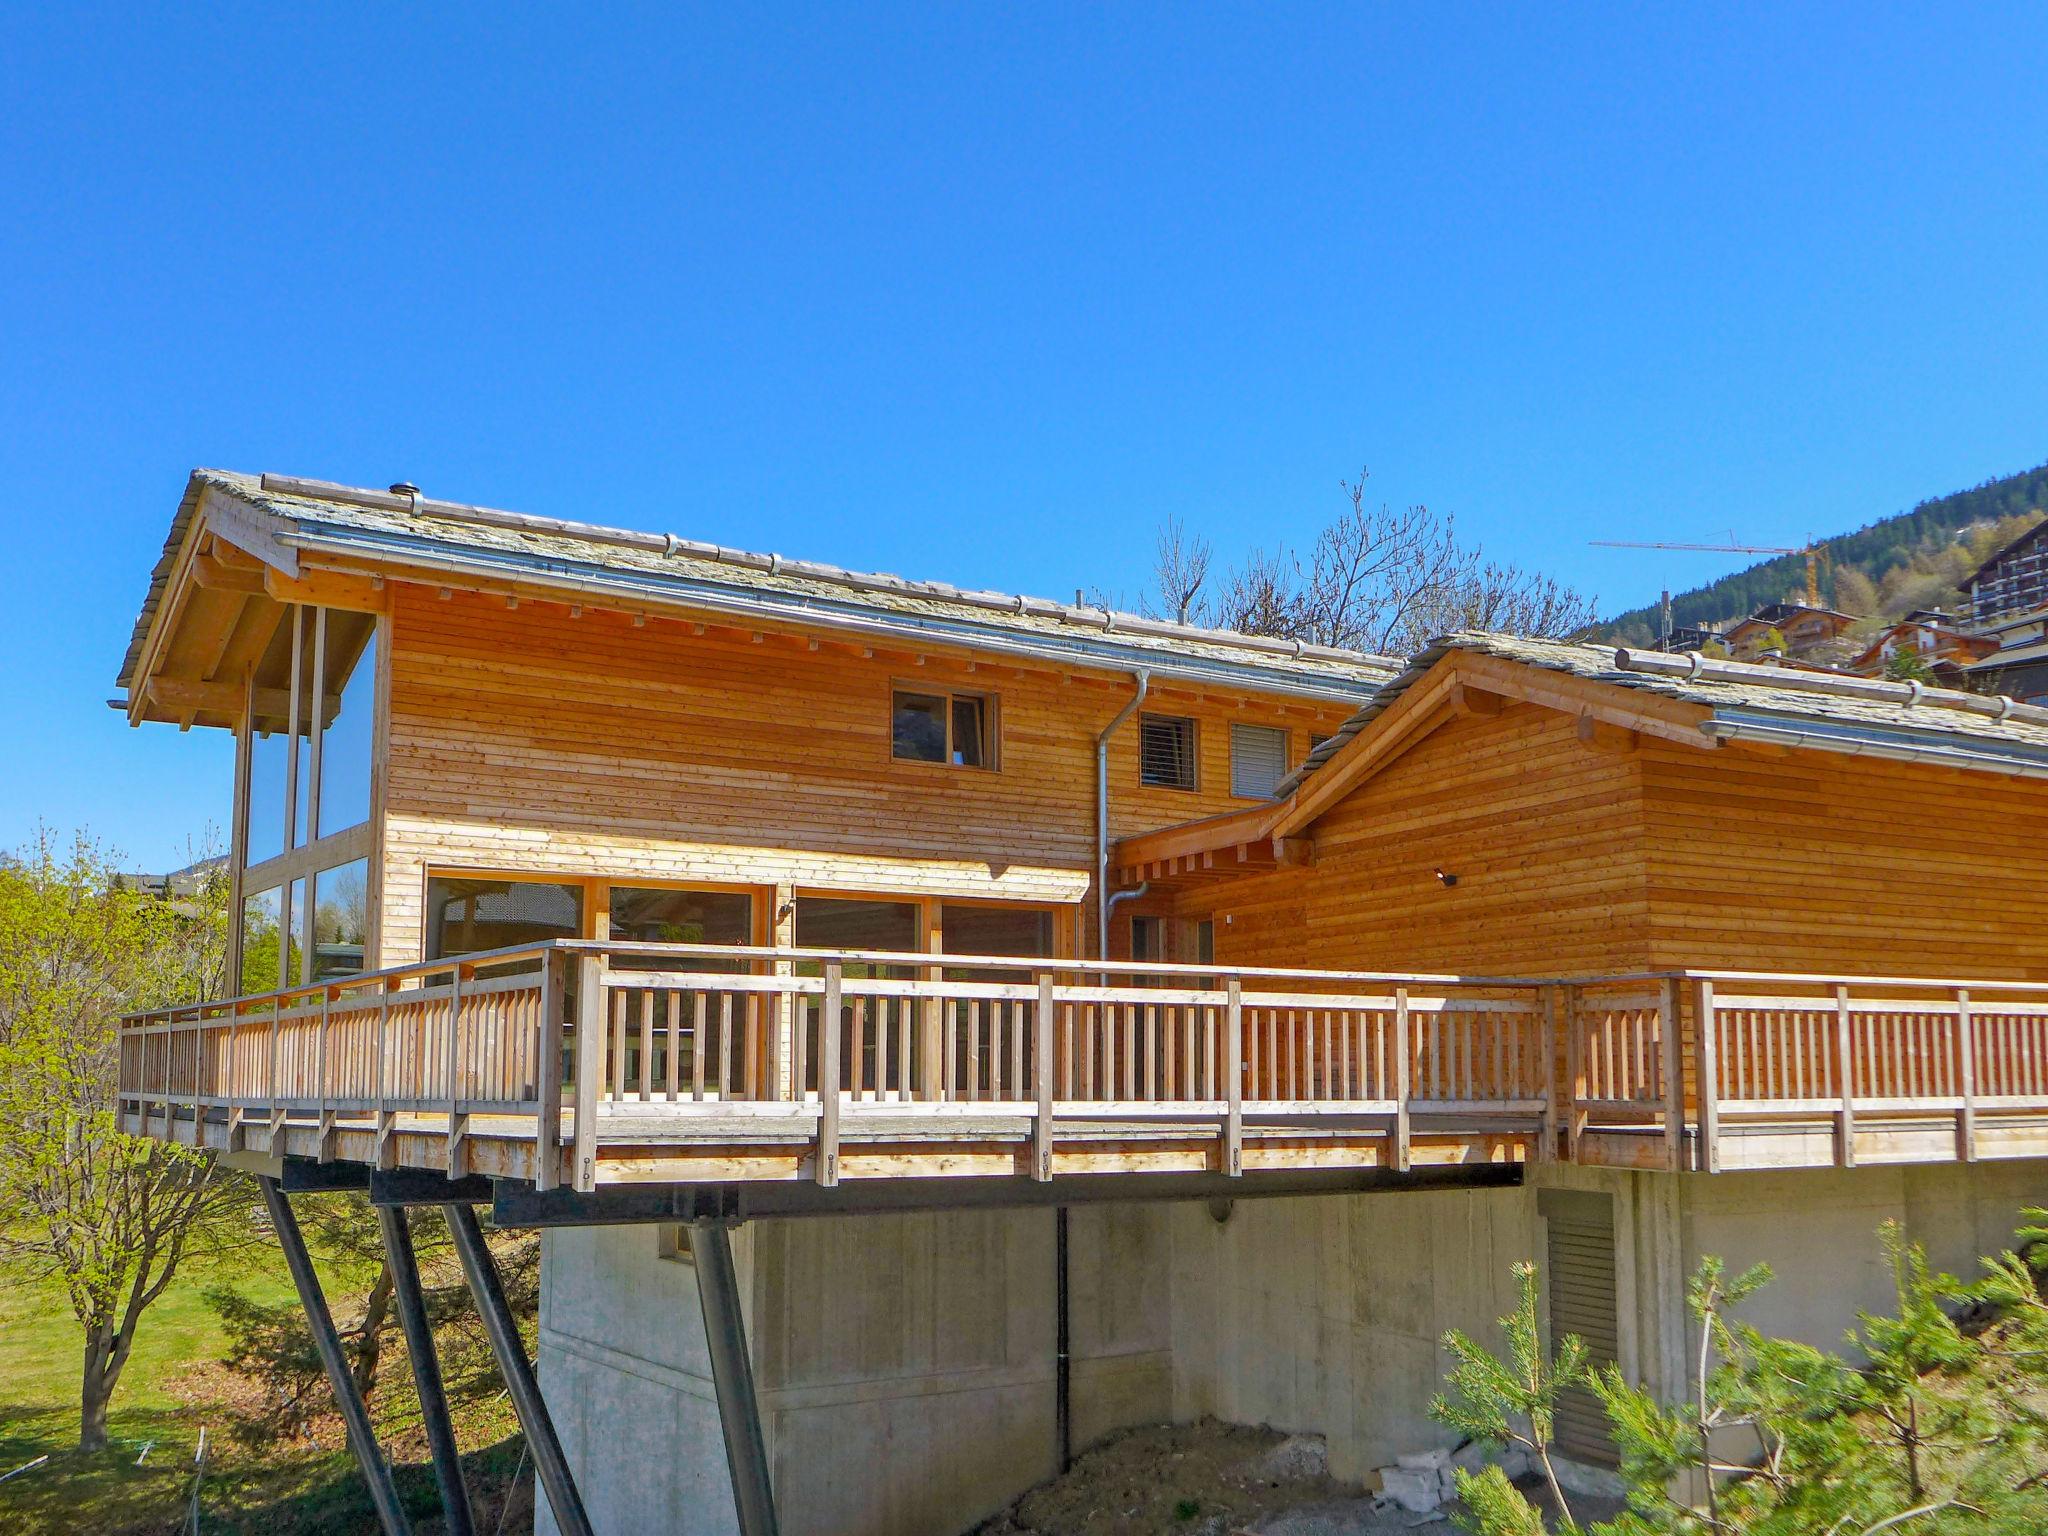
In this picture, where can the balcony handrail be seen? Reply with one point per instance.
(313, 990)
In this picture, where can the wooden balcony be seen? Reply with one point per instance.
(582, 1064)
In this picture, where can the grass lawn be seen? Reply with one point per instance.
(172, 1387)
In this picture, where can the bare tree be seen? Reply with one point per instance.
(1180, 569)
(1376, 578)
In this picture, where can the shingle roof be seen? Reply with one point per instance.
(1847, 714)
(376, 526)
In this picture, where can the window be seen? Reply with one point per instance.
(944, 728)
(466, 915)
(834, 922)
(653, 916)
(1166, 751)
(341, 919)
(262, 959)
(1258, 761)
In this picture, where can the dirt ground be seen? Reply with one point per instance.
(1213, 1479)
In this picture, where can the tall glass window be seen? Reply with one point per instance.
(305, 658)
(295, 933)
(348, 721)
(341, 919)
(261, 917)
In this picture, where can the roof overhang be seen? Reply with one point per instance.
(231, 566)
(1448, 682)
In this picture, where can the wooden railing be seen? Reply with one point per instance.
(566, 1038)
(478, 1035)
(573, 1044)
(1912, 1053)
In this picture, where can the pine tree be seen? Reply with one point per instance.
(1941, 1429)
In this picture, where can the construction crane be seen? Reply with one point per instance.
(1814, 551)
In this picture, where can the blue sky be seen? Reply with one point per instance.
(982, 293)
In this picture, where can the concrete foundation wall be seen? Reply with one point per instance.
(905, 1364)
(1817, 1229)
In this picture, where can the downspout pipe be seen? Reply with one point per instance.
(1102, 899)
(1063, 1385)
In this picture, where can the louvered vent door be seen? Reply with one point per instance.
(1579, 1272)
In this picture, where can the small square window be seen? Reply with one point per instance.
(1166, 751)
(955, 728)
(1258, 761)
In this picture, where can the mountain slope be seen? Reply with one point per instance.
(1891, 552)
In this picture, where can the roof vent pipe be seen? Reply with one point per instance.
(1102, 899)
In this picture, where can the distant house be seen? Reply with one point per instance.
(1930, 634)
(2018, 667)
(2012, 580)
(1804, 630)
(1693, 637)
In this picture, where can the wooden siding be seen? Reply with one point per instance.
(1574, 859)
(1543, 832)
(528, 740)
(1818, 861)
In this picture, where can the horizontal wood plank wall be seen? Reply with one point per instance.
(528, 740)
(1819, 861)
(1543, 832)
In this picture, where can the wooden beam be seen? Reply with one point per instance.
(1466, 700)
(1294, 852)
(328, 589)
(215, 575)
(1604, 736)
(187, 695)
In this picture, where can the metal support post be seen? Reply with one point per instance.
(426, 1367)
(549, 1464)
(362, 1438)
(732, 1376)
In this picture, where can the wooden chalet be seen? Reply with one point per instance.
(1948, 651)
(615, 877)
(1803, 629)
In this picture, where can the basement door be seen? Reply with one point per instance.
(1579, 1273)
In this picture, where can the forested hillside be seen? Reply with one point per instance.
(1912, 560)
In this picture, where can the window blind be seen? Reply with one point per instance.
(1258, 761)
(1166, 751)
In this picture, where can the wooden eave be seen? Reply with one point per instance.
(212, 642)
(1609, 717)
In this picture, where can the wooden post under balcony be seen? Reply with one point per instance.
(1845, 1062)
(1674, 1075)
(1709, 1159)
(1233, 1080)
(547, 1151)
(1041, 1074)
(590, 1022)
(828, 1078)
(1966, 1045)
(1401, 1051)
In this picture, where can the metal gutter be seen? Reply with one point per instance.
(704, 596)
(1864, 741)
